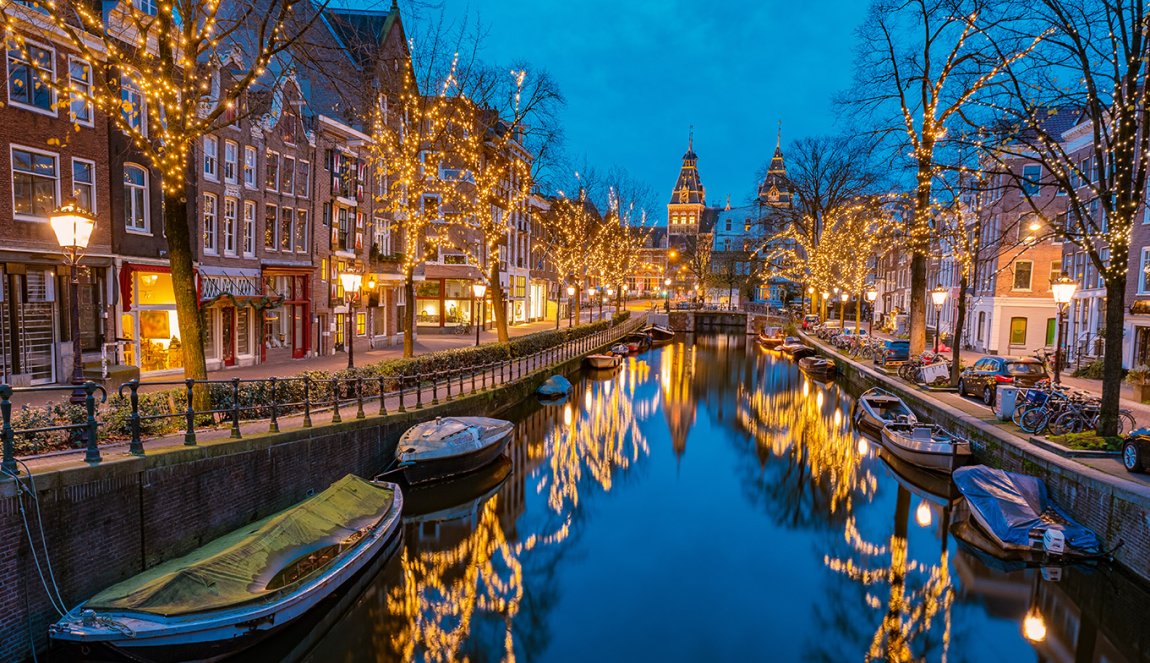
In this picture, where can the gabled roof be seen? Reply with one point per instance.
(776, 188)
(688, 187)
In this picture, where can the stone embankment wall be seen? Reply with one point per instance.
(103, 524)
(1116, 508)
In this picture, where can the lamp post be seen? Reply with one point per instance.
(610, 295)
(842, 309)
(570, 305)
(871, 296)
(351, 282)
(810, 299)
(73, 227)
(478, 290)
(938, 296)
(1063, 289)
(823, 308)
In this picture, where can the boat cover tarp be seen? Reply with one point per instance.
(237, 567)
(556, 385)
(1012, 505)
(449, 436)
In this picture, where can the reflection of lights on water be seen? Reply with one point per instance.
(567, 414)
(838, 418)
(1034, 626)
(819, 400)
(587, 398)
(863, 446)
(923, 515)
(806, 388)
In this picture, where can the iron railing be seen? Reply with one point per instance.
(398, 393)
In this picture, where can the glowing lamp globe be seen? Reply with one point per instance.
(844, 296)
(1063, 288)
(72, 225)
(351, 281)
(570, 291)
(479, 290)
(871, 294)
(938, 296)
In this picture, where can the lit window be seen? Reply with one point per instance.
(231, 225)
(30, 77)
(231, 161)
(271, 181)
(360, 324)
(137, 213)
(303, 179)
(80, 77)
(250, 167)
(301, 243)
(35, 183)
(271, 215)
(209, 230)
(134, 108)
(84, 184)
(287, 217)
(287, 173)
(211, 156)
(249, 228)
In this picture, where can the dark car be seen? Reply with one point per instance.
(1136, 450)
(983, 378)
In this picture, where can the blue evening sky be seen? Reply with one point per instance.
(638, 73)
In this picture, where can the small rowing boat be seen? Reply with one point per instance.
(605, 361)
(877, 408)
(927, 446)
(555, 387)
(794, 348)
(818, 366)
(771, 337)
(234, 592)
(658, 333)
(449, 446)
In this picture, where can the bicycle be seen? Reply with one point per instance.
(464, 329)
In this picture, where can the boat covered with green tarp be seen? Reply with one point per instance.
(232, 592)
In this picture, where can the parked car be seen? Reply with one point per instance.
(810, 320)
(895, 351)
(1136, 451)
(983, 378)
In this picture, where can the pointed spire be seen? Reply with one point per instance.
(728, 202)
(779, 141)
(691, 140)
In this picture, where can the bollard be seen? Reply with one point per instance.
(382, 397)
(135, 446)
(418, 394)
(236, 408)
(359, 398)
(274, 423)
(335, 416)
(306, 402)
(448, 399)
(92, 455)
(190, 415)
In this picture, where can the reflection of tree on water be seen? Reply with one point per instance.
(809, 470)
(462, 577)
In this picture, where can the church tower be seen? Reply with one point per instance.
(689, 198)
(775, 191)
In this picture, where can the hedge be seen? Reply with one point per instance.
(255, 397)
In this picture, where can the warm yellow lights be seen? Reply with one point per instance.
(1034, 626)
(923, 514)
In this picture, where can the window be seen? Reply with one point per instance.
(137, 212)
(360, 323)
(303, 179)
(287, 216)
(1031, 179)
(430, 205)
(211, 155)
(287, 180)
(272, 176)
(35, 183)
(249, 228)
(146, 6)
(1023, 270)
(301, 243)
(30, 78)
(209, 229)
(1055, 269)
(271, 217)
(133, 108)
(1144, 278)
(1018, 331)
(243, 333)
(231, 225)
(84, 184)
(249, 166)
(231, 159)
(80, 77)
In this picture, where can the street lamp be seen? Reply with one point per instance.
(938, 296)
(351, 282)
(570, 305)
(1063, 288)
(478, 290)
(611, 295)
(810, 298)
(73, 227)
(842, 309)
(871, 296)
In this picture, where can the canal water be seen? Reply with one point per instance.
(707, 501)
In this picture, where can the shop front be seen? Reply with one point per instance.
(443, 303)
(149, 325)
(537, 300)
(232, 302)
(287, 318)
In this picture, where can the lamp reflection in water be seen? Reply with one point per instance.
(446, 590)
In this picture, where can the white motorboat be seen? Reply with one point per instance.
(449, 446)
(929, 447)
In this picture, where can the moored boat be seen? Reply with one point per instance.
(556, 386)
(817, 366)
(449, 446)
(637, 342)
(927, 446)
(794, 348)
(877, 407)
(620, 349)
(603, 361)
(239, 589)
(1015, 514)
(771, 337)
(658, 333)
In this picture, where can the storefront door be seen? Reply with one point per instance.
(298, 337)
(228, 335)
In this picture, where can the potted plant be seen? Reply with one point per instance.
(1139, 378)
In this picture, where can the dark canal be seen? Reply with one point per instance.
(707, 502)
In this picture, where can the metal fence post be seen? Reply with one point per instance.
(448, 399)
(274, 423)
(190, 414)
(402, 388)
(135, 446)
(335, 416)
(382, 397)
(236, 408)
(359, 398)
(8, 465)
(435, 388)
(92, 455)
(418, 394)
(306, 402)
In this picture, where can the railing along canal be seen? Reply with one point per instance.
(273, 398)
